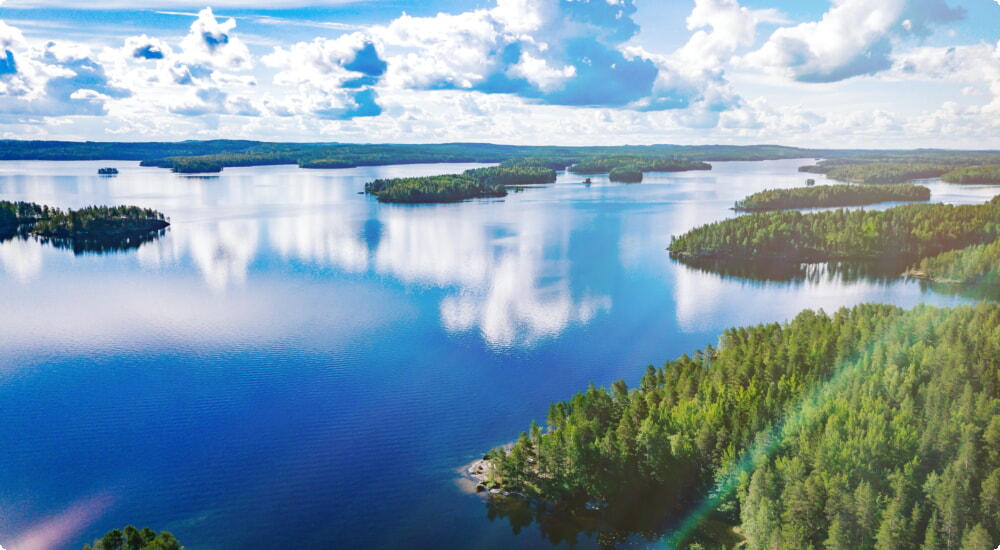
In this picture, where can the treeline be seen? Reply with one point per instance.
(475, 183)
(901, 166)
(830, 195)
(977, 264)
(133, 539)
(873, 428)
(974, 174)
(605, 164)
(447, 188)
(521, 174)
(99, 220)
(910, 231)
(54, 222)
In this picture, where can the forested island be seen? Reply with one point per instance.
(90, 229)
(108, 171)
(476, 183)
(909, 231)
(830, 196)
(898, 167)
(131, 538)
(872, 428)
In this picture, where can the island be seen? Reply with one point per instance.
(625, 174)
(90, 229)
(910, 231)
(871, 427)
(131, 538)
(831, 196)
(475, 183)
(109, 171)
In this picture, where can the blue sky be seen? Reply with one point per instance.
(842, 73)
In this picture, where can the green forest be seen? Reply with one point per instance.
(988, 174)
(871, 428)
(447, 188)
(475, 183)
(909, 231)
(901, 166)
(831, 195)
(977, 264)
(634, 163)
(131, 538)
(92, 229)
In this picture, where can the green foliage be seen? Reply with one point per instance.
(448, 188)
(974, 174)
(99, 220)
(831, 195)
(326, 163)
(517, 174)
(975, 264)
(133, 539)
(873, 428)
(16, 213)
(606, 164)
(195, 165)
(110, 171)
(901, 166)
(625, 174)
(909, 231)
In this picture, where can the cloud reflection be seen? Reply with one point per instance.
(21, 258)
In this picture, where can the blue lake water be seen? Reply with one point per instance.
(294, 361)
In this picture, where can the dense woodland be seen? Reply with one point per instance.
(909, 231)
(475, 183)
(977, 264)
(830, 195)
(872, 428)
(606, 164)
(901, 166)
(131, 538)
(448, 188)
(974, 174)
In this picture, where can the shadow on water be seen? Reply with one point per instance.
(843, 272)
(86, 244)
(648, 518)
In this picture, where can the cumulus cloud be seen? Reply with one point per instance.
(335, 78)
(855, 37)
(146, 48)
(211, 44)
(56, 80)
(550, 51)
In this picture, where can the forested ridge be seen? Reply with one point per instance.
(830, 195)
(872, 428)
(909, 231)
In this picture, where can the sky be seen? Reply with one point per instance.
(809, 73)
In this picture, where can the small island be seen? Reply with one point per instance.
(131, 538)
(910, 231)
(476, 183)
(830, 196)
(625, 174)
(108, 171)
(90, 229)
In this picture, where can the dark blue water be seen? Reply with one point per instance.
(294, 364)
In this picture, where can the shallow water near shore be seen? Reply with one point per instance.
(292, 359)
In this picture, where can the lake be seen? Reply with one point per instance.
(295, 364)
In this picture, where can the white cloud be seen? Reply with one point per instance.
(856, 37)
(211, 44)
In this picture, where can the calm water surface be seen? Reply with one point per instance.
(295, 363)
